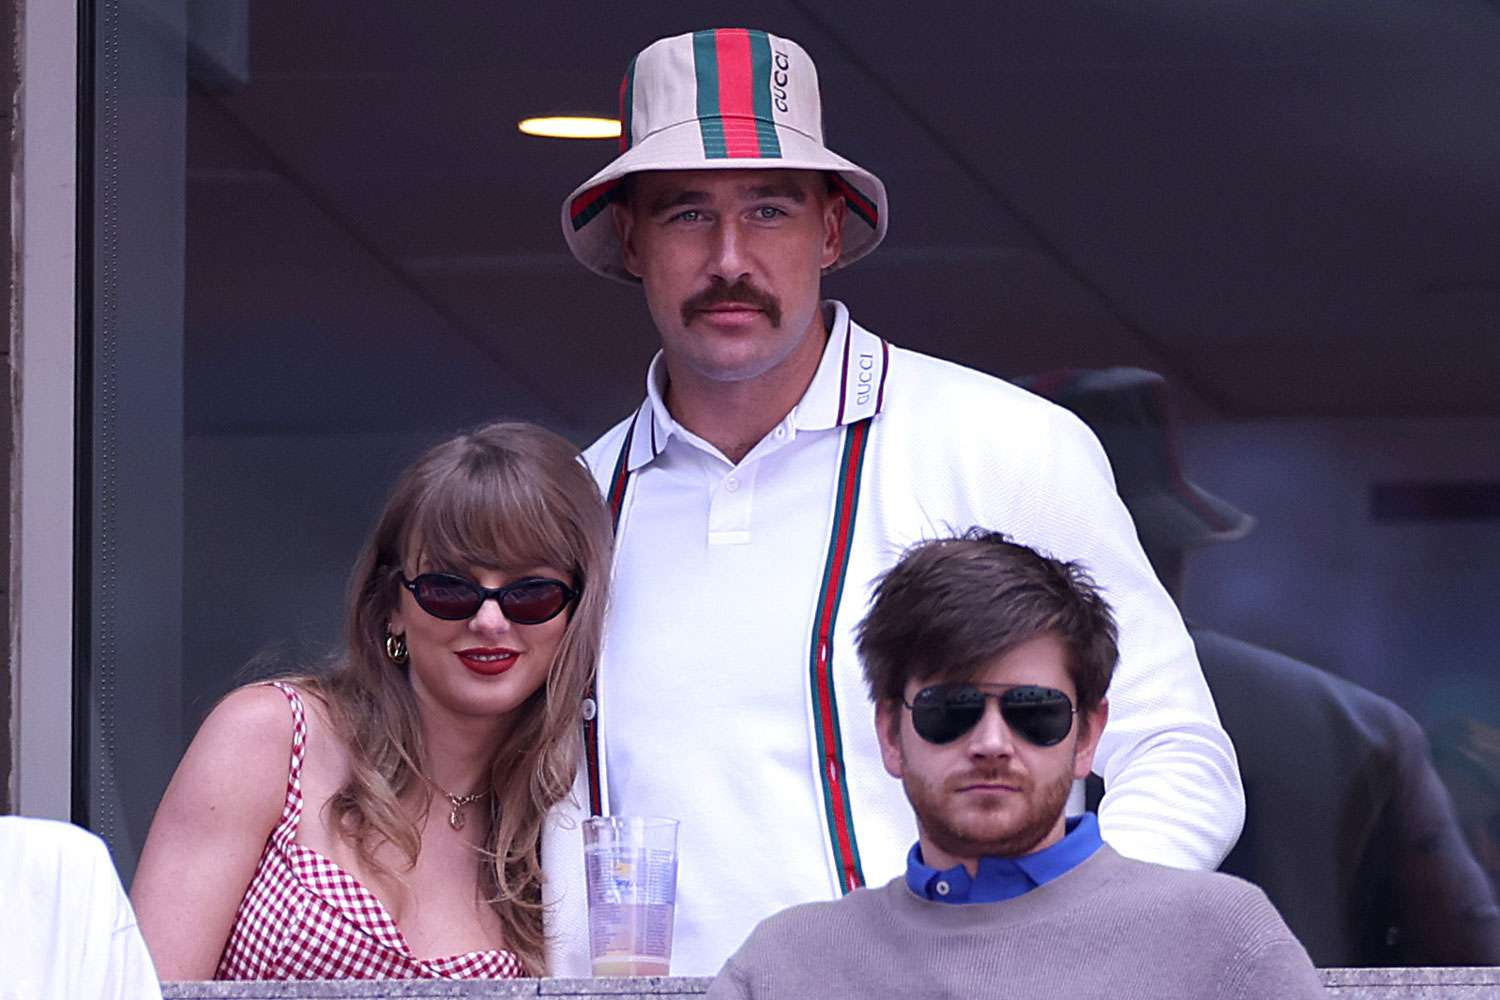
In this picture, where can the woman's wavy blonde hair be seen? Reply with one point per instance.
(506, 495)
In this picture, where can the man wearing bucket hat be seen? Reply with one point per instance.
(1348, 828)
(782, 459)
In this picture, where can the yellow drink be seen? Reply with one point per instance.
(630, 939)
(628, 965)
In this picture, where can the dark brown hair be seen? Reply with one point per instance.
(950, 605)
(505, 495)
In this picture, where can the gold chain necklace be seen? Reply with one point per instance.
(456, 817)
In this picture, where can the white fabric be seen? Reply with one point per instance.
(66, 928)
(706, 714)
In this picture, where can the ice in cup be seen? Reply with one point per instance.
(631, 866)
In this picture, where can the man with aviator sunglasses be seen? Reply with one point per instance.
(988, 664)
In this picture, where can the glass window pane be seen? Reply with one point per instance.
(317, 243)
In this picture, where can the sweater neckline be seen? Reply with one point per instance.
(1004, 878)
(1101, 867)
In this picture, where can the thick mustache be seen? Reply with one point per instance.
(739, 293)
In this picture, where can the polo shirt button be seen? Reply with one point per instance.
(731, 484)
(781, 432)
(942, 888)
(589, 710)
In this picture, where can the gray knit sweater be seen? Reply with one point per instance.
(1111, 927)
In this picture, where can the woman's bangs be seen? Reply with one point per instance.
(491, 518)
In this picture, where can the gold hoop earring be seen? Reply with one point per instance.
(395, 649)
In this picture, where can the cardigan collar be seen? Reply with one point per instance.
(848, 386)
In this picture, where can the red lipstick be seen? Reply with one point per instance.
(488, 660)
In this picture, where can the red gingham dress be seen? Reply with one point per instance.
(304, 917)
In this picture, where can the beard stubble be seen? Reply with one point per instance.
(979, 834)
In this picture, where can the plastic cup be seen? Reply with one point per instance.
(631, 866)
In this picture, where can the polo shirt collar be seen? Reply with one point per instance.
(653, 426)
(848, 386)
(1004, 878)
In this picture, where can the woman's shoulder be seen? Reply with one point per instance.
(265, 708)
(248, 733)
(252, 718)
(265, 722)
(272, 712)
(235, 770)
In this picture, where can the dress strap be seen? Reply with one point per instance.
(291, 810)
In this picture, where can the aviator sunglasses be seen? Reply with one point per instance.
(943, 712)
(531, 601)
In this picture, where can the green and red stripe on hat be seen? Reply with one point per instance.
(721, 98)
(733, 71)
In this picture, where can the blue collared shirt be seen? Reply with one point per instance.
(1004, 878)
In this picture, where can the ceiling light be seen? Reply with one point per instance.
(567, 127)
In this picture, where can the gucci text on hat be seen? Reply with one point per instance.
(724, 98)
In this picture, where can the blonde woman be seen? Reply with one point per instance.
(383, 819)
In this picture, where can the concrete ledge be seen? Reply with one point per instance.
(1452, 983)
(1345, 984)
(627, 988)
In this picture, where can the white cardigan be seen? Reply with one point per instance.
(950, 448)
